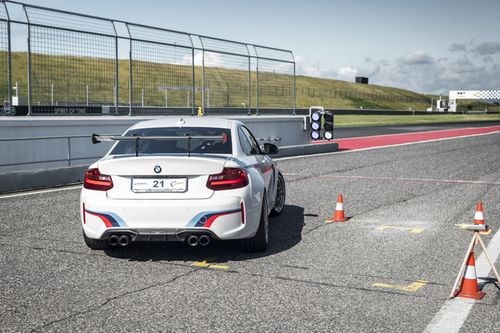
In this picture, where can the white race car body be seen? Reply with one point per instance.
(214, 189)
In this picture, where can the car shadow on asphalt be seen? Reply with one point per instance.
(285, 231)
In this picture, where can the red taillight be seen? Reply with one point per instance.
(228, 179)
(94, 180)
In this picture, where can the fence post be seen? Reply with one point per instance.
(257, 92)
(193, 82)
(129, 72)
(202, 76)
(294, 87)
(9, 57)
(29, 61)
(117, 102)
(249, 81)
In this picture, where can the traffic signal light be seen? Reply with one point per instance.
(328, 125)
(316, 125)
(321, 123)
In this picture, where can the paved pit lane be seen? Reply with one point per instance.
(390, 268)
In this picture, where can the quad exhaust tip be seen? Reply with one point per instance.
(113, 240)
(193, 240)
(204, 240)
(122, 240)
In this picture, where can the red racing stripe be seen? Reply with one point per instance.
(212, 218)
(103, 219)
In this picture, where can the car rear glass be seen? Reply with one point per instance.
(197, 146)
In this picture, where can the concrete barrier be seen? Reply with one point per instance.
(39, 152)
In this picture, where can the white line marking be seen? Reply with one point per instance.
(23, 194)
(454, 312)
(424, 180)
(380, 147)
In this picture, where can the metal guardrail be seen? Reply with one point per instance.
(69, 158)
(75, 60)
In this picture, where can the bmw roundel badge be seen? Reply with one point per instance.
(157, 169)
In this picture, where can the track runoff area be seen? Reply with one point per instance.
(389, 267)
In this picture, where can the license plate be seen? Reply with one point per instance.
(159, 185)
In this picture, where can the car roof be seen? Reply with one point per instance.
(187, 121)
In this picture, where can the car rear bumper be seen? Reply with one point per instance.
(149, 220)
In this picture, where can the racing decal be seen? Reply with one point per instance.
(206, 219)
(109, 219)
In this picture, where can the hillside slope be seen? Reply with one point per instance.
(73, 78)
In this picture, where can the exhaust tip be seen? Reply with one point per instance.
(124, 240)
(204, 240)
(192, 240)
(113, 240)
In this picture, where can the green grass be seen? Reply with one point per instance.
(373, 120)
(70, 76)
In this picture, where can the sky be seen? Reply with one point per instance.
(428, 46)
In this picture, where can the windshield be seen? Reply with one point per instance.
(197, 146)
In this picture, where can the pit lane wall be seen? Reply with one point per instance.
(40, 152)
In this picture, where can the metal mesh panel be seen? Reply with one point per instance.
(73, 63)
(4, 61)
(226, 74)
(162, 72)
(69, 21)
(276, 78)
(163, 36)
(3, 13)
(71, 68)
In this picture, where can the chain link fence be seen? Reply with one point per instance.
(80, 64)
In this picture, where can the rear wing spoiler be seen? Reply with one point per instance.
(96, 138)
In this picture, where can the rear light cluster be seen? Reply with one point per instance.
(228, 179)
(94, 180)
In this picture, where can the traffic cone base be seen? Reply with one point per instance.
(477, 295)
(469, 288)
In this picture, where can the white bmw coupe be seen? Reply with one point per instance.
(186, 179)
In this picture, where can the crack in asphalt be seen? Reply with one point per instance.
(93, 308)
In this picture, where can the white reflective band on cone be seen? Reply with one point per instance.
(339, 206)
(470, 273)
(479, 216)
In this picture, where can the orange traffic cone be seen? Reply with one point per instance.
(478, 216)
(338, 215)
(468, 287)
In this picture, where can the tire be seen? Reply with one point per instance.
(279, 201)
(259, 242)
(95, 244)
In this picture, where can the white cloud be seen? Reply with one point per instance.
(211, 59)
(474, 67)
(347, 73)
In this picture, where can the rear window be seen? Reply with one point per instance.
(198, 146)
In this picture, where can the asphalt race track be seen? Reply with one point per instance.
(390, 268)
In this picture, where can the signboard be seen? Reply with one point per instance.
(474, 94)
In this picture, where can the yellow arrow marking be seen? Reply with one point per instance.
(413, 287)
(204, 264)
(411, 230)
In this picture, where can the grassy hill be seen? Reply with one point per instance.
(74, 79)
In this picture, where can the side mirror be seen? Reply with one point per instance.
(270, 149)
